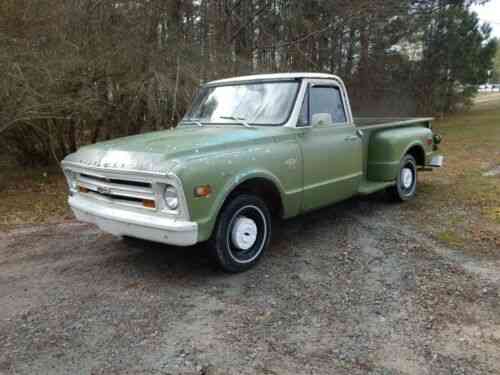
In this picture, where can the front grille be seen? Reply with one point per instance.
(118, 190)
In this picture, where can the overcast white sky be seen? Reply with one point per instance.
(490, 12)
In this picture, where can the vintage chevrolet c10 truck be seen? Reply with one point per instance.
(250, 149)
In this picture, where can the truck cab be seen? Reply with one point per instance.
(250, 148)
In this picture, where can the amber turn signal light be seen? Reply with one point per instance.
(203, 191)
(83, 190)
(148, 203)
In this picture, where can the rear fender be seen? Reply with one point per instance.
(387, 148)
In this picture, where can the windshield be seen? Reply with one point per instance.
(255, 103)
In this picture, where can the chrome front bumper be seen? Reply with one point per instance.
(123, 222)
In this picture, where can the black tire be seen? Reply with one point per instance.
(406, 184)
(242, 233)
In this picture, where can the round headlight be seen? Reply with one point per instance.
(171, 198)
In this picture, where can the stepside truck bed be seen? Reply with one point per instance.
(385, 140)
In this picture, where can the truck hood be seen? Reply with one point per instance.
(161, 151)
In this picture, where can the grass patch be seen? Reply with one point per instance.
(451, 238)
(472, 149)
(461, 199)
(32, 196)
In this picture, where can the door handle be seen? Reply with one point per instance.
(351, 139)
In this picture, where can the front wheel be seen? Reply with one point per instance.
(406, 182)
(242, 233)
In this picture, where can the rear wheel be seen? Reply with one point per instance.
(406, 182)
(242, 233)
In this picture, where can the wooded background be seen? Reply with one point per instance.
(78, 71)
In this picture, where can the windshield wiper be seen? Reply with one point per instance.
(239, 120)
(194, 121)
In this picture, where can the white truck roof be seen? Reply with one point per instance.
(276, 76)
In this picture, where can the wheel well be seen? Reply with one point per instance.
(265, 190)
(418, 153)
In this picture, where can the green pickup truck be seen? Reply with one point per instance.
(249, 150)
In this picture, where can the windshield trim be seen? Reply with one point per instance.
(287, 118)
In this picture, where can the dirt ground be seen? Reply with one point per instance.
(352, 289)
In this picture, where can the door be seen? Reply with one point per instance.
(331, 147)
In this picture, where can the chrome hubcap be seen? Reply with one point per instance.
(244, 233)
(407, 178)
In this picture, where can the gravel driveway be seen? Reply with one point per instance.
(346, 290)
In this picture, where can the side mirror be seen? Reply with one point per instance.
(321, 119)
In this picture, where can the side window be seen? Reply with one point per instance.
(327, 105)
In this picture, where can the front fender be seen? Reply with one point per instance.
(278, 162)
(241, 178)
(207, 223)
